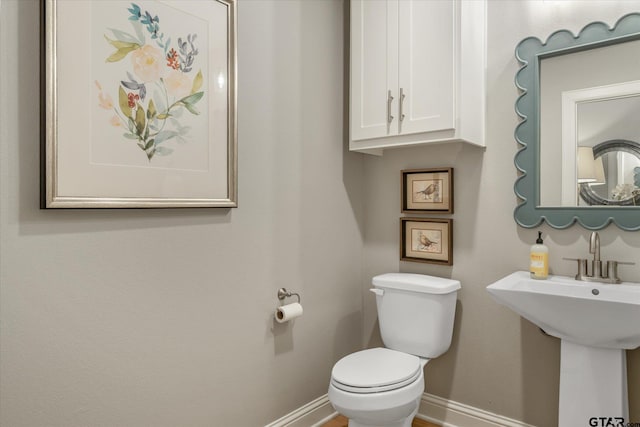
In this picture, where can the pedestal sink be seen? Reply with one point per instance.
(596, 323)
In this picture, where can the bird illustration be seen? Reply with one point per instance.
(429, 190)
(425, 243)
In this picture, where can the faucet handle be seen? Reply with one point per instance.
(612, 270)
(582, 267)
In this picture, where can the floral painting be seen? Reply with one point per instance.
(149, 86)
(139, 104)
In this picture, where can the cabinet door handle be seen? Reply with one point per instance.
(402, 96)
(389, 99)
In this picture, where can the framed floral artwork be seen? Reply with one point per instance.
(427, 190)
(426, 240)
(139, 104)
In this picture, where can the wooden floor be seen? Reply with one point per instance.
(341, 421)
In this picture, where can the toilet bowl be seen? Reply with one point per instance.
(377, 387)
(382, 387)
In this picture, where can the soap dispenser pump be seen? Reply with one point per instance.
(539, 259)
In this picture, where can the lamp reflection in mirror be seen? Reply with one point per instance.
(590, 169)
(600, 178)
(586, 166)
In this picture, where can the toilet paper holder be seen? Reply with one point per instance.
(283, 293)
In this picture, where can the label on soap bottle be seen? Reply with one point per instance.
(539, 266)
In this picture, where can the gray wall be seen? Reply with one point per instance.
(165, 317)
(92, 335)
(497, 362)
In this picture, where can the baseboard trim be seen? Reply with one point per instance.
(313, 414)
(435, 409)
(449, 413)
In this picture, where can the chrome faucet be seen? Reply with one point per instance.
(596, 273)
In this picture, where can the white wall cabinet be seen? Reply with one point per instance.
(417, 73)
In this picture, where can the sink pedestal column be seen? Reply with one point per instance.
(593, 383)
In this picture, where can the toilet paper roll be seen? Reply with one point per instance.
(288, 312)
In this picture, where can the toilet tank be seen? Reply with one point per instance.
(416, 312)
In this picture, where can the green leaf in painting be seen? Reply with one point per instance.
(132, 125)
(165, 135)
(151, 110)
(118, 44)
(192, 99)
(163, 151)
(163, 116)
(140, 121)
(192, 109)
(123, 49)
(120, 54)
(137, 26)
(149, 144)
(197, 82)
(130, 136)
(159, 100)
(124, 36)
(123, 101)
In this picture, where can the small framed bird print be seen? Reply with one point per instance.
(426, 240)
(427, 190)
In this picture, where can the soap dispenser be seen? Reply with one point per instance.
(539, 259)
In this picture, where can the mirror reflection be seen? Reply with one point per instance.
(611, 175)
(590, 127)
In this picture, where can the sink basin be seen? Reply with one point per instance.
(596, 322)
(586, 313)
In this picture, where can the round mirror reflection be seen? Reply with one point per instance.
(618, 183)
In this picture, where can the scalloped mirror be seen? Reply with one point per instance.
(579, 135)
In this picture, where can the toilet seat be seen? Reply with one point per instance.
(375, 370)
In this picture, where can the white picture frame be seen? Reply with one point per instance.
(139, 105)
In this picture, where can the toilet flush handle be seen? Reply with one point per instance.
(378, 292)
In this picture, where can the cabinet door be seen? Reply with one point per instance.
(374, 68)
(427, 56)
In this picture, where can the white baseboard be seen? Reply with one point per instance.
(313, 414)
(446, 413)
(449, 413)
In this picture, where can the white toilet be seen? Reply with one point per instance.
(382, 387)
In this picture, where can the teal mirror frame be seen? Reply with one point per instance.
(529, 53)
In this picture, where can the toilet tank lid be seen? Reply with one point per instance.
(416, 283)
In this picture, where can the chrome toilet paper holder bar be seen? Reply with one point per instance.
(283, 293)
